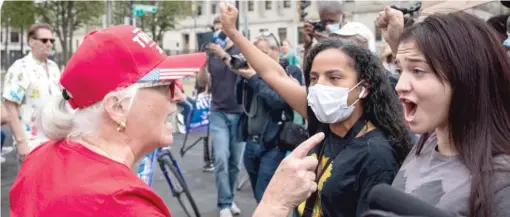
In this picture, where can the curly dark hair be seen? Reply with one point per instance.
(381, 106)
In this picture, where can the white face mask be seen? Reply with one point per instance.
(329, 103)
(332, 28)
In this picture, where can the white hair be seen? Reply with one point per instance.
(270, 40)
(57, 120)
(332, 6)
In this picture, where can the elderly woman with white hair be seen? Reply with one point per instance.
(118, 92)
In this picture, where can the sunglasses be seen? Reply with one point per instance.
(45, 40)
(165, 88)
(268, 34)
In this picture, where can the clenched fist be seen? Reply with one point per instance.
(391, 22)
(228, 17)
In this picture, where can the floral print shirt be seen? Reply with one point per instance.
(29, 84)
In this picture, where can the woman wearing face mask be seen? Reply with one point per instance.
(351, 100)
(456, 92)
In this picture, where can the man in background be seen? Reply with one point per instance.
(223, 119)
(261, 122)
(331, 15)
(29, 83)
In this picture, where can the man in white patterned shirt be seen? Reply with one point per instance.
(28, 84)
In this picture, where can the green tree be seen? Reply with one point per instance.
(67, 17)
(17, 15)
(120, 10)
(167, 15)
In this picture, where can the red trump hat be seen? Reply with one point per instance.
(118, 57)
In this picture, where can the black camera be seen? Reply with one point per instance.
(411, 10)
(238, 62)
(319, 26)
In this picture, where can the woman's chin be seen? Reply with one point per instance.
(166, 140)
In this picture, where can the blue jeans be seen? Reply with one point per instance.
(261, 163)
(187, 106)
(228, 150)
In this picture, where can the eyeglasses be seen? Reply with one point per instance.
(45, 40)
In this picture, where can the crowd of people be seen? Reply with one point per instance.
(316, 134)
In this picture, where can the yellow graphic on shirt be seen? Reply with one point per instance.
(34, 94)
(20, 77)
(317, 211)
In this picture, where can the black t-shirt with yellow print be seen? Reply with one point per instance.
(362, 163)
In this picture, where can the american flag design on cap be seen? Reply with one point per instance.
(159, 74)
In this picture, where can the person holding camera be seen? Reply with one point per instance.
(265, 114)
(331, 15)
(223, 119)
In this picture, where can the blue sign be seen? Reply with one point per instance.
(200, 116)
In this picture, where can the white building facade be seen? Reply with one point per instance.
(282, 19)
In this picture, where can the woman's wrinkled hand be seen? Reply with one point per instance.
(293, 181)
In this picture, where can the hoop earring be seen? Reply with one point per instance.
(122, 127)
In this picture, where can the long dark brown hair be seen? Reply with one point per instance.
(466, 53)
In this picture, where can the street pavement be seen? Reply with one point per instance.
(201, 184)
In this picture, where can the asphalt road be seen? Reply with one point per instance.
(201, 184)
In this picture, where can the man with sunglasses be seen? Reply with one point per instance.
(28, 84)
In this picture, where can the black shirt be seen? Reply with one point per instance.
(362, 163)
(223, 82)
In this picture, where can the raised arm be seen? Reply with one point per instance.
(268, 69)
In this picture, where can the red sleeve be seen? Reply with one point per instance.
(136, 202)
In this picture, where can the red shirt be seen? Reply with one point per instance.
(66, 179)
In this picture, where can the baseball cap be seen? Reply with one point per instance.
(356, 28)
(117, 57)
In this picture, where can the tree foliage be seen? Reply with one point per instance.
(165, 19)
(69, 16)
(18, 14)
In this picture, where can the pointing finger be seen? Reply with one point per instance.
(309, 163)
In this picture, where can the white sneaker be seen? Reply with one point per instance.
(225, 213)
(7, 150)
(234, 209)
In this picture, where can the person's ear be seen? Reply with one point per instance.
(31, 42)
(115, 108)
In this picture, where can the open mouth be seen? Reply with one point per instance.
(409, 109)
